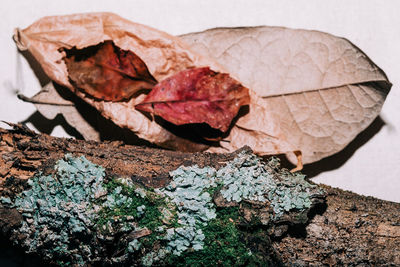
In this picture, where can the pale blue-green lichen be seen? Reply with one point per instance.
(194, 205)
(6, 200)
(134, 245)
(154, 256)
(183, 238)
(60, 206)
(73, 203)
(246, 177)
(76, 200)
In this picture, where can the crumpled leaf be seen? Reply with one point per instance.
(316, 92)
(164, 55)
(106, 72)
(197, 95)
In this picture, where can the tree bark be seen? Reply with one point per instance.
(350, 229)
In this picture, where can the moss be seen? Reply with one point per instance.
(224, 245)
(130, 201)
(213, 190)
(139, 209)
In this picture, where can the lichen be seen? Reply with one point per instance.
(57, 208)
(76, 201)
(223, 245)
(194, 206)
(246, 177)
(154, 257)
(134, 245)
(6, 200)
(67, 214)
(182, 238)
(187, 191)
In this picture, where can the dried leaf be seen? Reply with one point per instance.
(106, 72)
(164, 55)
(317, 91)
(197, 95)
(313, 92)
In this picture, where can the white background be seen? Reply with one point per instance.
(369, 166)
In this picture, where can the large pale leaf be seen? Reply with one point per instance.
(317, 91)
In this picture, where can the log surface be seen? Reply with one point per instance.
(351, 230)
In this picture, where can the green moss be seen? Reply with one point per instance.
(130, 208)
(213, 190)
(124, 201)
(224, 245)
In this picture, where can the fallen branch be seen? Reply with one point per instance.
(347, 229)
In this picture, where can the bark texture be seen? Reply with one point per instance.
(354, 230)
(350, 230)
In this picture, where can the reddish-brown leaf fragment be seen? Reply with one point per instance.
(197, 95)
(107, 72)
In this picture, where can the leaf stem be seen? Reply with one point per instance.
(33, 101)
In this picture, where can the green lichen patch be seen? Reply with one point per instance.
(206, 234)
(247, 178)
(70, 216)
(194, 207)
(201, 218)
(57, 211)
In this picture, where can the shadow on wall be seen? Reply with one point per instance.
(44, 125)
(337, 160)
(36, 68)
(105, 127)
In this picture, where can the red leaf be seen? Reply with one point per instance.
(107, 72)
(197, 95)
